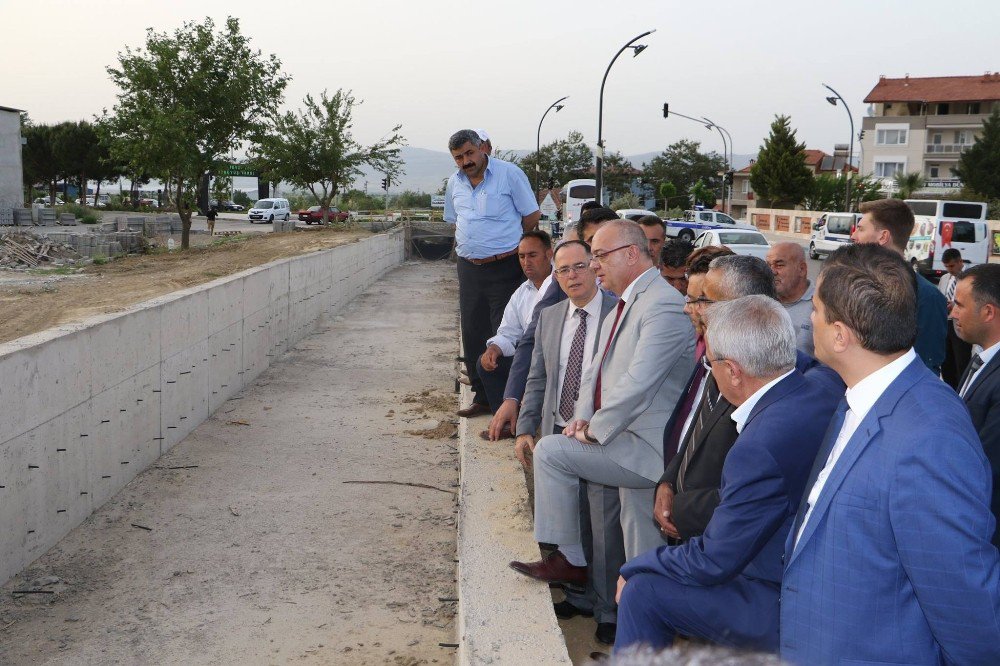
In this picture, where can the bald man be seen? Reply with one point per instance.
(795, 291)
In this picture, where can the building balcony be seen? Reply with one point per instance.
(945, 148)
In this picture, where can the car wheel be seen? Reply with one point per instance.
(308, 221)
(686, 235)
(813, 254)
(270, 220)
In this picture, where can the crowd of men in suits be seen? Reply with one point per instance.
(726, 451)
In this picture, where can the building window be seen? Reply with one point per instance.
(942, 109)
(962, 137)
(746, 186)
(890, 137)
(888, 169)
(973, 108)
(933, 171)
(936, 138)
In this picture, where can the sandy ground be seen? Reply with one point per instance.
(28, 306)
(261, 548)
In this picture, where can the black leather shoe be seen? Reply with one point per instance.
(565, 610)
(605, 634)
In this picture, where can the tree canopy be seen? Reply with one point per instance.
(560, 161)
(979, 165)
(780, 176)
(682, 164)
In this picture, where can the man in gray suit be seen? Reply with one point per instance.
(615, 438)
(565, 344)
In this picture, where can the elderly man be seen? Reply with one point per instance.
(791, 278)
(491, 204)
(723, 585)
(534, 252)
(565, 344)
(614, 436)
(890, 559)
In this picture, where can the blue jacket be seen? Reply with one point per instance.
(895, 562)
(762, 483)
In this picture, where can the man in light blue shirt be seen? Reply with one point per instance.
(491, 204)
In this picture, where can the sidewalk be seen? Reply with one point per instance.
(261, 538)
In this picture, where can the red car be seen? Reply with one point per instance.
(315, 214)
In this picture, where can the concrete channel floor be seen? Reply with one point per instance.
(260, 547)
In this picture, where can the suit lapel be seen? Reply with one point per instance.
(607, 306)
(552, 337)
(984, 374)
(641, 284)
(867, 430)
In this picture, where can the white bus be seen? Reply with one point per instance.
(574, 194)
(940, 225)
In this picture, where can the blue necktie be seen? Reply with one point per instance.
(832, 432)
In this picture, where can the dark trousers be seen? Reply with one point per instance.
(483, 293)
(957, 354)
(495, 381)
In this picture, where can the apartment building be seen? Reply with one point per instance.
(924, 124)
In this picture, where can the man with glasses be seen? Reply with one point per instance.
(625, 396)
(673, 260)
(565, 344)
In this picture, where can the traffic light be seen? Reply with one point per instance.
(385, 183)
(729, 177)
(666, 109)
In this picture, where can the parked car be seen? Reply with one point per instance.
(739, 241)
(233, 206)
(44, 201)
(315, 214)
(269, 210)
(831, 231)
(633, 213)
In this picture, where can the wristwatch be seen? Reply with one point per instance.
(587, 436)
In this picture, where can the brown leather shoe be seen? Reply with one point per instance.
(475, 409)
(553, 569)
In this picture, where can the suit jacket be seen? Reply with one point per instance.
(983, 401)
(763, 480)
(895, 562)
(642, 375)
(541, 394)
(932, 325)
(517, 378)
(693, 507)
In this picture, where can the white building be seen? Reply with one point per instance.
(11, 170)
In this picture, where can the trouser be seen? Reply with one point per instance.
(560, 463)
(495, 381)
(740, 613)
(601, 531)
(483, 293)
(957, 354)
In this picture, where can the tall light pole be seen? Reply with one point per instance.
(538, 140)
(726, 152)
(636, 50)
(850, 151)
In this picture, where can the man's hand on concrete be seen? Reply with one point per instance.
(506, 414)
(663, 508)
(524, 448)
(490, 357)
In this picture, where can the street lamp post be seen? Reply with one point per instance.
(538, 140)
(850, 151)
(727, 155)
(636, 50)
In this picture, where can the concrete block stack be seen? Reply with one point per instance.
(22, 217)
(67, 219)
(47, 217)
(6, 217)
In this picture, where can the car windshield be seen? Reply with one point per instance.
(264, 203)
(742, 239)
(313, 209)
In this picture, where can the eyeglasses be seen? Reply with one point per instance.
(700, 300)
(707, 362)
(574, 268)
(599, 256)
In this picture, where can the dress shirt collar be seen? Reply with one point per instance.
(545, 284)
(592, 308)
(863, 395)
(627, 294)
(807, 295)
(742, 413)
(987, 354)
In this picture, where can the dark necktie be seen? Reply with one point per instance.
(614, 327)
(672, 445)
(709, 400)
(974, 365)
(832, 433)
(574, 367)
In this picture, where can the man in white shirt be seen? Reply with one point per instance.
(890, 557)
(534, 252)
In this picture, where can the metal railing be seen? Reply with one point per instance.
(933, 148)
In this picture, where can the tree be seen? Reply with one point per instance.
(186, 101)
(314, 149)
(683, 164)
(560, 161)
(702, 193)
(780, 176)
(667, 191)
(625, 201)
(865, 188)
(907, 183)
(825, 194)
(979, 165)
(618, 173)
(39, 159)
(77, 148)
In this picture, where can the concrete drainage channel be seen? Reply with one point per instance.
(87, 407)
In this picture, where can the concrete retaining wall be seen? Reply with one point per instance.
(84, 408)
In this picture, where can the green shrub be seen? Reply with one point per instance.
(88, 218)
(100, 259)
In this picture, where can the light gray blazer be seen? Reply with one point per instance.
(643, 376)
(541, 400)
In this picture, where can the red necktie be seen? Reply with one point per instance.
(614, 327)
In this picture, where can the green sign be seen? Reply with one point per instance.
(238, 170)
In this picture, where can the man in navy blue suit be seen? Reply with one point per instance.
(723, 585)
(890, 559)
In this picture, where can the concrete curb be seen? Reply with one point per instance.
(503, 617)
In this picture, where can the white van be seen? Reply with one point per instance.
(831, 231)
(940, 225)
(269, 210)
(574, 194)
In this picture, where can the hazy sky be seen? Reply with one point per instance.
(439, 66)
